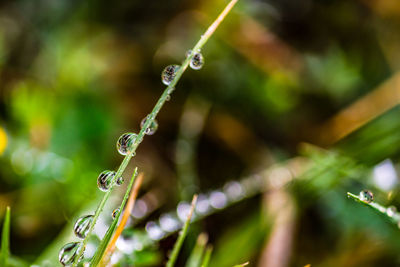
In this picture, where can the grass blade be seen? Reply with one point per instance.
(129, 206)
(197, 253)
(5, 239)
(182, 235)
(107, 237)
(207, 256)
(392, 216)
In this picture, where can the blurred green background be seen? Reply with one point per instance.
(304, 93)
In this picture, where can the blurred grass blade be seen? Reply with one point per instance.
(182, 235)
(107, 237)
(241, 265)
(5, 239)
(198, 251)
(207, 256)
(392, 216)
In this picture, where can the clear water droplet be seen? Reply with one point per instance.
(197, 61)
(82, 226)
(152, 128)
(169, 73)
(104, 180)
(168, 98)
(125, 143)
(366, 196)
(391, 210)
(115, 213)
(69, 252)
(120, 180)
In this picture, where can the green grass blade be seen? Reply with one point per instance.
(207, 256)
(5, 239)
(198, 251)
(16, 262)
(182, 235)
(393, 217)
(107, 237)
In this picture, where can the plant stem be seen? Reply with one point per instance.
(163, 98)
(207, 256)
(182, 235)
(394, 218)
(107, 237)
(5, 239)
(127, 211)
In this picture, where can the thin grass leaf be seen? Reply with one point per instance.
(196, 256)
(241, 265)
(16, 262)
(389, 214)
(129, 206)
(107, 237)
(207, 256)
(5, 239)
(182, 235)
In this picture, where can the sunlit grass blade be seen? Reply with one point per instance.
(198, 251)
(241, 265)
(390, 214)
(207, 256)
(107, 237)
(5, 239)
(182, 235)
(129, 206)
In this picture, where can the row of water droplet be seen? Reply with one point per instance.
(207, 204)
(368, 197)
(196, 62)
(125, 144)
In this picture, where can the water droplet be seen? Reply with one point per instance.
(366, 196)
(183, 210)
(115, 213)
(233, 190)
(104, 180)
(69, 252)
(197, 61)
(391, 210)
(169, 223)
(140, 209)
(169, 73)
(168, 98)
(218, 200)
(125, 143)
(120, 180)
(203, 204)
(154, 231)
(82, 226)
(152, 128)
